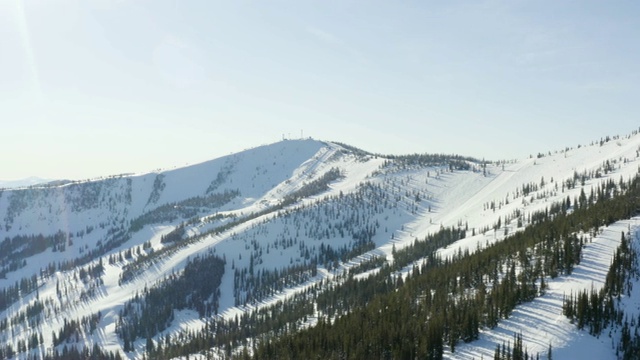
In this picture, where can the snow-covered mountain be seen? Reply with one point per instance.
(30, 181)
(81, 261)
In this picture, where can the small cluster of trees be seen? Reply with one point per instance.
(518, 351)
(30, 316)
(598, 310)
(14, 251)
(158, 187)
(317, 186)
(13, 293)
(252, 286)
(74, 353)
(453, 162)
(149, 313)
(222, 175)
(73, 330)
(185, 209)
(174, 236)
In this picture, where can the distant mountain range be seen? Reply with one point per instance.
(30, 181)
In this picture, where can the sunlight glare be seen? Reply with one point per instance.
(23, 28)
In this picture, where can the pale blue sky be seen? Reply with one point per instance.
(99, 87)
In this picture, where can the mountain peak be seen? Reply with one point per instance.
(278, 226)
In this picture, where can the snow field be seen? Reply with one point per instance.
(264, 175)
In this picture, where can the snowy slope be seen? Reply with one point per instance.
(541, 321)
(88, 211)
(392, 201)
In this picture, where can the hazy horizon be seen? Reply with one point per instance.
(101, 87)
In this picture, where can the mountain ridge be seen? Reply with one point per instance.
(379, 204)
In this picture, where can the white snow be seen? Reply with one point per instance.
(541, 321)
(264, 175)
